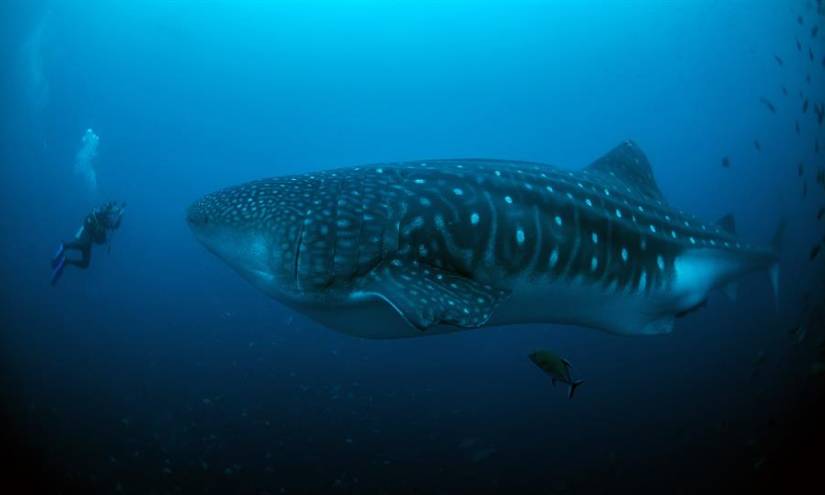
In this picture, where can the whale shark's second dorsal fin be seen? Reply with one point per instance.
(727, 223)
(628, 168)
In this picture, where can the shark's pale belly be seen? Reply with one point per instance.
(562, 302)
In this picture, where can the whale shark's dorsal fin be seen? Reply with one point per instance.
(727, 223)
(626, 165)
(426, 296)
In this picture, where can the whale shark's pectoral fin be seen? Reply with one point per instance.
(426, 296)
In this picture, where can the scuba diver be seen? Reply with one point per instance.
(95, 228)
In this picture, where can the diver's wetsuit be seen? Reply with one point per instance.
(94, 230)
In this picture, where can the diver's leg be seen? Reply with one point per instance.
(76, 244)
(86, 256)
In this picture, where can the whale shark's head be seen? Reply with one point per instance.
(234, 225)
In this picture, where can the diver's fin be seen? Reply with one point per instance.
(58, 254)
(732, 290)
(727, 223)
(566, 362)
(573, 386)
(426, 296)
(58, 270)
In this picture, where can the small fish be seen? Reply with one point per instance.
(805, 189)
(770, 106)
(726, 162)
(805, 106)
(814, 31)
(816, 145)
(811, 53)
(796, 126)
(760, 359)
(798, 46)
(817, 369)
(801, 169)
(800, 20)
(779, 60)
(757, 145)
(784, 91)
(815, 252)
(557, 367)
(799, 332)
(820, 214)
(808, 78)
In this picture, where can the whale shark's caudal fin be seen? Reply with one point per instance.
(728, 224)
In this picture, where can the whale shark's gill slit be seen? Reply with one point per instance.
(490, 250)
(574, 249)
(606, 277)
(537, 245)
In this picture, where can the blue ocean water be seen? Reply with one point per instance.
(160, 370)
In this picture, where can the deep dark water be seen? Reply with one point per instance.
(159, 370)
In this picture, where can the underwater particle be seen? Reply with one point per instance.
(817, 369)
(805, 105)
(815, 252)
(798, 46)
(801, 169)
(814, 31)
(757, 465)
(784, 90)
(820, 213)
(756, 145)
(796, 127)
(482, 454)
(726, 162)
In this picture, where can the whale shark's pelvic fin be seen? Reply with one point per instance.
(425, 295)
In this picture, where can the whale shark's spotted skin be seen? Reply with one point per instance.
(450, 244)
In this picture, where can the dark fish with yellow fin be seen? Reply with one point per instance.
(557, 367)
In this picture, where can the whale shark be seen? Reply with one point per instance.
(429, 247)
